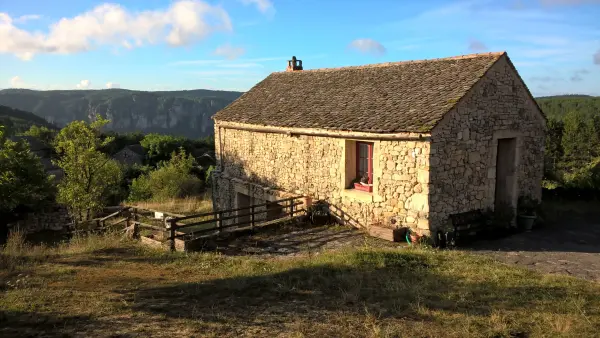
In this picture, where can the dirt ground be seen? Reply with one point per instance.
(295, 239)
(569, 245)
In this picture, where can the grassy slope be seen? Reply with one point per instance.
(101, 286)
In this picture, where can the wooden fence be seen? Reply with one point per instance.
(173, 224)
(211, 222)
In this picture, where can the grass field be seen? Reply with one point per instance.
(108, 286)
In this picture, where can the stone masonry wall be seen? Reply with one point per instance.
(269, 166)
(463, 148)
(51, 219)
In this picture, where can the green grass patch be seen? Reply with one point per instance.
(103, 286)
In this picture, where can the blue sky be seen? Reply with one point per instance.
(233, 44)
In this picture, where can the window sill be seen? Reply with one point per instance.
(358, 195)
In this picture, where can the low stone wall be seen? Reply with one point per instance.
(55, 218)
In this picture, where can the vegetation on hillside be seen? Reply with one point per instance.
(184, 113)
(17, 121)
(572, 154)
(557, 107)
(171, 179)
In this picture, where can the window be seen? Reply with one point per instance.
(364, 166)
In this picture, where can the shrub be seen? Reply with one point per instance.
(172, 179)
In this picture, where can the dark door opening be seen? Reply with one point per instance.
(274, 211)
(505, 171)
(243, 201)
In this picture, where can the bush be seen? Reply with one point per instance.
(172, 179)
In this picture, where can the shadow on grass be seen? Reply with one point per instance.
(387, 285)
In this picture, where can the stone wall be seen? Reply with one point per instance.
(54, 218)
(464, 144)
(270, 166)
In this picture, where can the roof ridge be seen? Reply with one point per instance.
(395, 63)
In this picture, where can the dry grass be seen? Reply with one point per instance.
(108, 286)
(186, 206)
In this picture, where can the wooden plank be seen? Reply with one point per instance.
(383, 233)
(238, 209)
(164, 212)
(114, 214)
(146, 225)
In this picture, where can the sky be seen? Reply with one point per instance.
(233, 44)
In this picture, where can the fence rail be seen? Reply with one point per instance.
(217, 217)
(170, 223)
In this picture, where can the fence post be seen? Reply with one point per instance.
(292, 208)
(172, 228)
(252, 217)
(219, 222)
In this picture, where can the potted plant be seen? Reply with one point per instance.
(412, 237)
(363, 183)
(526, 216)
(319, 213)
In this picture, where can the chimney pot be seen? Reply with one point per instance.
(294, 65)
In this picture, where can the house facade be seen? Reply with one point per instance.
(396, 144)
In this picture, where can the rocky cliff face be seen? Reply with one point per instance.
(184, 113)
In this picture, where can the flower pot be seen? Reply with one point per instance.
(526, 221)
(412, 237)
(363, 187)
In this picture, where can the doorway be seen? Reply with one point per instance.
(505, 172)
(243, 201)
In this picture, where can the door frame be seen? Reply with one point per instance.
(491, 174)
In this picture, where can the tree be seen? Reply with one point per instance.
(90, 175)
(42, 133)
(23, 182)
(580, 139)
(160, 147)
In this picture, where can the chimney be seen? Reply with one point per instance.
(294, 65)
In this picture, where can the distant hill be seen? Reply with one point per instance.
(184, 113)
(17, 121)
(558, 106)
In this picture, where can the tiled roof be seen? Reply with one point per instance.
(409, 96)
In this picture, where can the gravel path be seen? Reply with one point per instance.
(570, 247)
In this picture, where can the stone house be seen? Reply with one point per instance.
(130, 155)
(427, 138)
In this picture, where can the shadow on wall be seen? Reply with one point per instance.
(235, 168)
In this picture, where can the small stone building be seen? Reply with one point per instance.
(130, 155)
(404, 143)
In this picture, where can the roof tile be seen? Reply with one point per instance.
(410, 96)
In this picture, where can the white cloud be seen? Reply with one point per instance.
(28, 17)
(367, 46)
(229, 52)
(263, 5)
(110, 85)
(183, 23)
(83, 84)
(17, 82)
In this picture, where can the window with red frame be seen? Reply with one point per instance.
(364, 164)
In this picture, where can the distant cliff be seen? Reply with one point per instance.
(185, 113)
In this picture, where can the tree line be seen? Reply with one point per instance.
(92, 178)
